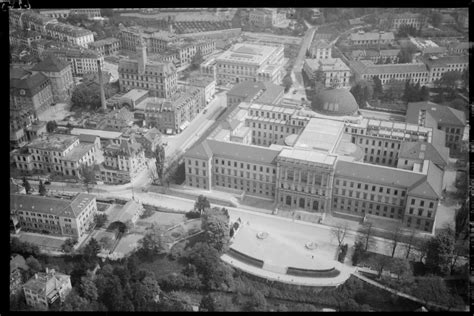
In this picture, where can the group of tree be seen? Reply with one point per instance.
(87, 177)
(435, 19)
(197, 60)
(42, 188)
(201, 204)
(26, 185)
(155, 242)
(215, 224)
(159, 155)
(362, 92)
(100, 219)
(415, 93)
(51, 126)
(406, 54)
(406, 30)
(287, 82)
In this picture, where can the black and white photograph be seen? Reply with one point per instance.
(246, 159)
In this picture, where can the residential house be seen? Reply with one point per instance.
(44, 288)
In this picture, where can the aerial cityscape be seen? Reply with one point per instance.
(239, 159)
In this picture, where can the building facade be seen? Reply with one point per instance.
(437, 66)
(334, 72)
(412, 19)
(43, 289)
(46, 215)
(106, 47)
(158, 77)
(82, 61)
(320, 49)
(371, 39)
(60, 75)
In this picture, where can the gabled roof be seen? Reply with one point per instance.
(87, 138)
(51, 64)
(377, 174)
(242, 152)
(200, 151)
(422, 150)
(431, 186)
(440, 113)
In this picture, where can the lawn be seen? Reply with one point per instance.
(162, 266)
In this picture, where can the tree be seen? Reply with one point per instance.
(366, 235)
(74, 302)
(459, 104)
(256, 303)
(208, 303)
(92, 249)
(154, 242)
(406, 54)
(33, 264)
(449, 80)
(106, 242)
(100, 219)
(287, 82)
(201, 204)
(51, 126)
(340, 233)
(410, 242)
(42, 188)
(23, 248)
(440, 251)
(68, 245)
(358, 252)
(431, 289)
(424, 94)
(197, 60)
(380, 262)
(26, 185)
(160, 161)
(462, 220)
(87, 177)
(88, 289)
(378, 89)
(402, 268)
(86, 97)
(461, 249)
(362, 92)
(395, 237)
(406, 30)
(107, 12)
(435, 19)
(178, 301)
(215, 224)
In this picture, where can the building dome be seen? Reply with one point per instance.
(335, 102)
(290, 140)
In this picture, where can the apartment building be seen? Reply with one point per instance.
(106, 47)
(69, 33)
(23, 38)
(43, 289)
(56, 153)
(320, 49)
(366, 70)
(60, 217)
(459, 48)
(437, 66)
(171, 116)
(451, 121)
(31, 91)
(82, 61)
(60, 75)
(123, 162)
(250, 62)
(150, 140)
(362, 38)
(156, 40)
(261, 92)
(206, 84)
(326, 164)
(415, 20)
(55, 13)
(334, 72)
(158, 77)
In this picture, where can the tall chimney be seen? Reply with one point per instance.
(101, 85)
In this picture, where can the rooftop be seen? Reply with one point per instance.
(439, 113)
(49, 205)
(375, 69)
(362, 36)
(247, 53)
(78, 152)
(320, 134)
(45, 283)
(308, 155)
(96, 132)
(51, 64)
(56, 142)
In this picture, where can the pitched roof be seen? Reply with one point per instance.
(87, 138)
(422, 150)
(431, 186)
(371, 36)
(242, 152)
(376, 69)
(51, 64)
(200, 151)
(440, 113)
(48, 205)
(377, 174)
(246, 89)
(30, 82)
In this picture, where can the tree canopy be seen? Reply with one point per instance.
(215, 223)
(201, 204)
(439, 252)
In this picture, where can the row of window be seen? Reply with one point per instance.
(367, 187)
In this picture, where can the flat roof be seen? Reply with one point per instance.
(320, 134)
(308, 155)
(96, 132)
(134, 94)
(247, 53)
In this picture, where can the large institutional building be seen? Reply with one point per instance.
(250, 62)
(159, 77)
(326, 160)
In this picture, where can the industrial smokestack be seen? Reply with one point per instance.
(101, 85)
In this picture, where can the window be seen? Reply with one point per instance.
(422, 203)
(412, 201)
(431, 204)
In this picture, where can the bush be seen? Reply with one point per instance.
(342, 254)
(193, 214)
(358, 253)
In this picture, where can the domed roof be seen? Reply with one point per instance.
(337, 101)
(290, 140)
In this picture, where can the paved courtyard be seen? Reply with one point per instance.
(281, 250)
